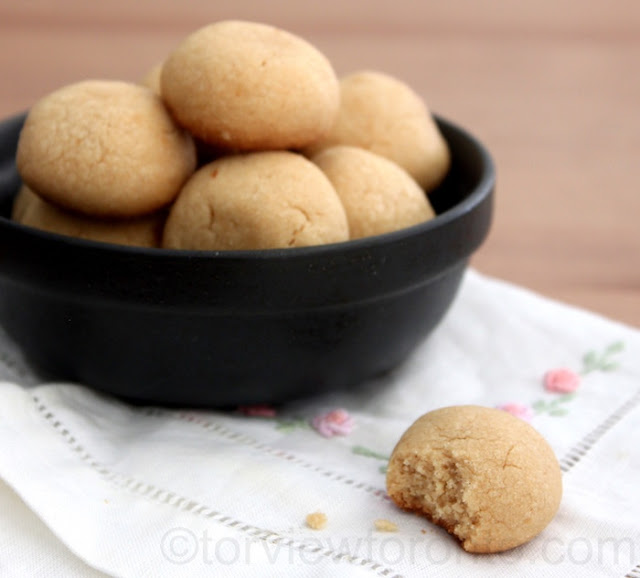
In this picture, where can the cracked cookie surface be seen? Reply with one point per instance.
(245, 86)
(378, 195)
(487, 477)
(260, 200)
(105, 149)
(382, 114)
(33, 211)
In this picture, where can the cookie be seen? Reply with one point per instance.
(105, 149)
(386, 116)
(31, 210)
(260, 200)
(21, 203)
(247, 86)
(377, 194)
(152, 79)
(487, 477)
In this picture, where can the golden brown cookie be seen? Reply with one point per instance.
(33, 211)
(378, 195)
(258, 200)
(486, 476)
(152, 79)
(104, 148)
(24, 197)
(249, 86)
(384, 115)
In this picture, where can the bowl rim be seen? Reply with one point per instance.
(483, 188)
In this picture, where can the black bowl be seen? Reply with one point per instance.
(197, 328)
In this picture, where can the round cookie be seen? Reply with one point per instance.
(386, 116)
(31, 210)
(260, 200)
(487, 477)
(21, 203)
(152, 79)
(104, 148)
(377, 194)
(248, 86)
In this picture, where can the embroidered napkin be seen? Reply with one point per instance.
(92, 486)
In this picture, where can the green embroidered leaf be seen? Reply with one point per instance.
(610, 366)
(553, 407)
(366, 452)
(289, 425)
(539, 406)
(594, 362)
(285, 427)
(382, 469)
(615, 347)
(590, 361)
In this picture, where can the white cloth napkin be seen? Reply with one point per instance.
(92, 486)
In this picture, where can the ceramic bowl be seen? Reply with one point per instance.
(220, 329)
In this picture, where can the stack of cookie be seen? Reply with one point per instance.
(243, 138)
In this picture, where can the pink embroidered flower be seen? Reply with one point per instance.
(257, 410)
(519, 410)
(336, 422)
(561, 380)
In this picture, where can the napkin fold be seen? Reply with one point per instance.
(92, 486)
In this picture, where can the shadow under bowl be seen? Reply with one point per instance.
(228, 328)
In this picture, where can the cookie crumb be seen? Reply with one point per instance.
(383, 525)
(316, 520)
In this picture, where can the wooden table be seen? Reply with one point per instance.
(551, 86)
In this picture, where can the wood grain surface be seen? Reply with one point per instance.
(551, 86)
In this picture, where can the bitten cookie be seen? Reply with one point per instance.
(249, 86)
(104, 148)
(377, 194)
(31, 210)
(487, 477)
(386, 116)
(258, 200)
